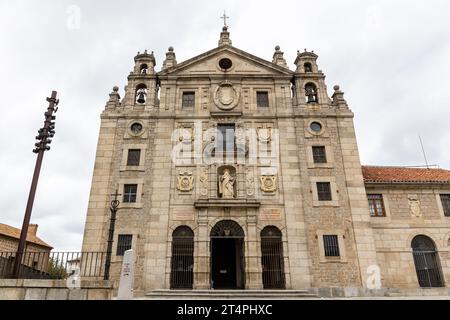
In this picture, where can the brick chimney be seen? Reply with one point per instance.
(32, 229)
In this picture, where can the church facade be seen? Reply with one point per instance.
(238, 173)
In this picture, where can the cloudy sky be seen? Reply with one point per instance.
(392, 59)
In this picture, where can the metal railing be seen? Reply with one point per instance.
(272, 263)
(428, 268)
(53, 265)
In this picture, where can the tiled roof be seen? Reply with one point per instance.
(376, 174)
(15, 233)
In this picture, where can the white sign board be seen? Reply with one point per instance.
(126, 277)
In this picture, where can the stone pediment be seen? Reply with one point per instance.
(243, 63)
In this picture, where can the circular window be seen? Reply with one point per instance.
(315, 127)
(136, 128)
(225, 63)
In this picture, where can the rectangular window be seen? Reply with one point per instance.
(188, 100)
(319, 154)
(134, 157)
(331, 245)
(262, 99)
(324, 191)
(124, 243)
(376, 205)
(225, 139)
(445, 199)
(129, 193)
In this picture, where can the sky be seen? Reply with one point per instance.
(391, 58)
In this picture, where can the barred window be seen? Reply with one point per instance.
(324, 191)
(376, 205)
(319, 154)
(188, 100)
(262, 99)
(129, 193)
(331, 245)
(134, 157)
(124, 243)
(445, 199)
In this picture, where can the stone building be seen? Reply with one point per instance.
(238, 173)
(37, 251)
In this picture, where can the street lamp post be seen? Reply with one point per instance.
(114, 207)
(45, 133)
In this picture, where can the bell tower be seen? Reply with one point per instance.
(142, 89)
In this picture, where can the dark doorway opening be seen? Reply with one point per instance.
(227, 256)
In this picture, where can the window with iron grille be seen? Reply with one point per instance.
(262, 99)
(134, 157)
(319, 154)
(445, 199)
(188, 100)
(129, 193)
(331, 245)
(324, 191)
(376, 205)
(124, 243)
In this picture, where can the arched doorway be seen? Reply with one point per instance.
(426, 260)
(272, 258)
(182, 264)
(227, 256)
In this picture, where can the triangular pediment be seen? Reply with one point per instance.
(243, 63)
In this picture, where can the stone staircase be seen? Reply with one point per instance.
(228, 294)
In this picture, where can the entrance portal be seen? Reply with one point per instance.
(227, 256)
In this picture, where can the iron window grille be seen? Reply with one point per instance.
(188, 100)
(331, 245)
(376, 205)
(124, 243)
(262, 99)
(445, 200)
(134, 156)
(319, 154)
(129, 193)
(324, 191)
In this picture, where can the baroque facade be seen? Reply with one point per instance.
(238, 173)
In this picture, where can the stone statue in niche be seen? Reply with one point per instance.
(226, 185)
(185, 181)
(414, 205)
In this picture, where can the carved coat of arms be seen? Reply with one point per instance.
(414, 205)
(268, 183)
(226, 96)
(185, 181)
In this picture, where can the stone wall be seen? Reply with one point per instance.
(24, 289)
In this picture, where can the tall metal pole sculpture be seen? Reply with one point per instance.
(45, 133)
(113, 208)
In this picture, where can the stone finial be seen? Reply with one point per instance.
(224, 37)
(114, 98)
(144, 60)
(338, 97)
(170, 59)
(278, 58)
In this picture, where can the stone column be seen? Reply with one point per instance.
(253, 271)
(201, 262)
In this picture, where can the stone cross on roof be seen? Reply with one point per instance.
(224, 17)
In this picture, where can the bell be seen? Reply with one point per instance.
(141, 97)
(311, 98)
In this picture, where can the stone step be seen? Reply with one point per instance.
(229, 294)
